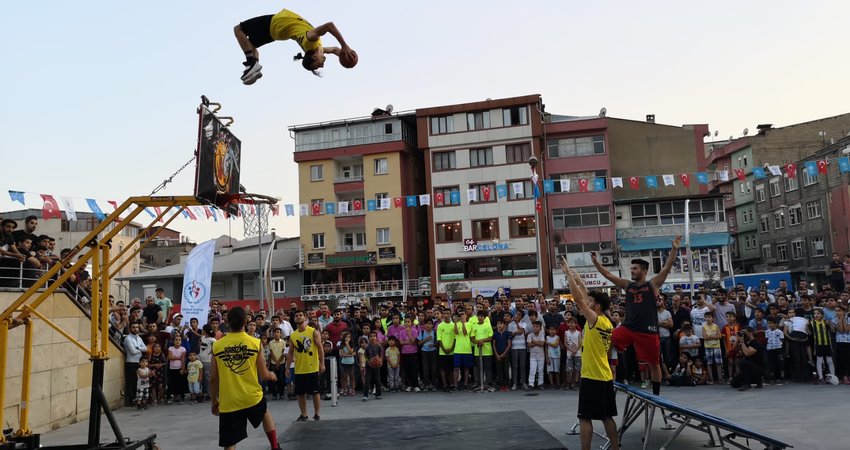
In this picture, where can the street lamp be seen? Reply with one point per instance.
(533, 162)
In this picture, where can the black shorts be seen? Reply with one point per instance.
(596, 399)
(232, 425)
(446, 362)
(306, 383)
(258, 30)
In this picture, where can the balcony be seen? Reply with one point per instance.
(348, 179)
(350, 248)
(374, 289)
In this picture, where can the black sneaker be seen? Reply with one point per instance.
(301, 419)
(251, 69)
(316, 417)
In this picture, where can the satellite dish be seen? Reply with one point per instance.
(746, 131)
(603, 112)
(389, 108)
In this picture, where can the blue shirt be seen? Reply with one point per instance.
(429, 346)
(501, 339)
(829, 315)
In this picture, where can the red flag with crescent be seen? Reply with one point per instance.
(741, 174)
(686, 179)
(582, 185)
(791, 170)
(50, 209)
(822, 166)
(485, 193)
(635, 184)
(317, 209)
(398, 202)
(439, 198)
(358, 205)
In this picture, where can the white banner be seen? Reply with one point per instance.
(197, 280)
(668, 180)
(70, 212)
(617, 182)
(591, 280)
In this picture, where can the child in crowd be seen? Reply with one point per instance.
(157, 363)
(372, 378)
(699, 374)
(393, 365)
(572, 347)
(346, 360)
(713, 355)
(681, 375)
(536, 342)
(821, 332)
(277, 363)
(775, 338)
(553, 346)
(194, 375)
(205, 356)
(361, 359)
(176, 370)
(689, 343)
(428, 344)
(730, 338)
(143, 382)
(264, 345)
(502, 351)
(407, 336)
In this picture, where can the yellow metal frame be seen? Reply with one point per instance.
(91, 248)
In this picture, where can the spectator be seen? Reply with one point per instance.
(134, 349)
(164, 303)
(205, 356)
(775, 337)
(152, 313)
(536, 342)
(428, 346)
(842, 344)
(482, 338)
(752, 363)
(689, 343)
(30, 224)
(821, 331)
(836, 273)
(518, 350)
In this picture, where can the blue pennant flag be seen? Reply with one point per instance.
(702, 178)
(758, 172)
(330, 208)
(150, 213)
(599, 184)
(95, 209)
(844, 164)
(290, 210)
(501, 191)
(410, 201)
(454, 197)
(548, 186)
(17, 196)
(535, 190)
(214, 214)
(185, 214)
(652, 182)
(812, 168)
(371, 205)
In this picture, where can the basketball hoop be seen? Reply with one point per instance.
(254, 209)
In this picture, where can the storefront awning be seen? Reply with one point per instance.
(700, 240)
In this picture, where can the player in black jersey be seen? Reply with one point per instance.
(640, 326)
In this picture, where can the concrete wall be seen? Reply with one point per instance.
(60, 384)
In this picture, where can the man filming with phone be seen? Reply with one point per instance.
(750, 367)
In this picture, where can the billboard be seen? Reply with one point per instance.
(218, 161)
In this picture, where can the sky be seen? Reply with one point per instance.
(100, 96)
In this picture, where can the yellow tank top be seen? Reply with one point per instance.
(236, 363)
(306, 351)
(594, 350)
(288, 25)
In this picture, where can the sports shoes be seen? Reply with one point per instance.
(409, 389)
(251, 69)
(416, 389)
(365, 399)
(301, 419)
(643, 384)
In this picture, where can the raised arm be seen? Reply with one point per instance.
(579, 291)
(619, 282)
(659, 278)
(321, 30)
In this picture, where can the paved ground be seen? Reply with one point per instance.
(808, 417)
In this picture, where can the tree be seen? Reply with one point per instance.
(454, 287)
(712, 280)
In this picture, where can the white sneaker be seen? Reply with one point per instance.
(251, 70)
(408, 389)
(416, 389)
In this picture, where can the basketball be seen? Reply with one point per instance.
(375, 362)
(348, 59)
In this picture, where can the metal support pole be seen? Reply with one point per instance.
(95, 302)
(4, 340)
(731, 267)
(688, 246)
(23, 426)
(95, 405)
(103, 305)
(334, 375)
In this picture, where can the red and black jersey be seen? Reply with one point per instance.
(641, 312)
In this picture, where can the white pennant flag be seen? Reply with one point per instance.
(617, 182)
(343, 207)
(472, 195)
(303, 209)
(424, 199)
(774, 170)
(70, 212)
(723, 175)
(565, 185)
(669, 180)
(518, 188)
(534, 177)
(385, 203)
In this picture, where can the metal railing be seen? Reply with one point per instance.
(363, 287)
(350, 248)
(15, 275)
(351, 213)
(348, 179)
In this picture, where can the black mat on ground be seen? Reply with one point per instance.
(491, 431)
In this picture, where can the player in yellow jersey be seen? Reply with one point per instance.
(596, 392)
(237, 398)
(308, 353)
(285, 25)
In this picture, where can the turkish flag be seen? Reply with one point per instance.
(158, 212)
(485, 193)
(822, 166)
(582, 185)
(741, 175)
(633, 181)
(686, 179)
(275, 210)
(207, 212)
(358, 205)
(438, 198)
(317, 209)
(538, 205)
(398, 202)
(50, 208)
(191, 214)
(791, 170)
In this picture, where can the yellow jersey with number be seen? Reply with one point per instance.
(288, 25)
(594, 350)
(306, 351)
(236, 364)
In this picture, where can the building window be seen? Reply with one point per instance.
(383, 236)
(353, 241)
(574, 179)
(527, 191)
(478, 120)
(379, 197)
(791, 184)
(449, 232)
(795, 215)
(706, 211)
(743, 189)
(488, 188)
(444, 161)
(644, 215)
(578, 255)
(813, 209)
(588, 216)
(672, 213)
(317, 173)
(515, 116)
(582, 146)
(760, 197)
(381, 166)
(446, 192)
(750, 242)
(764, 223)
(480, 157)
(522, 227)
(749, 187)
(278, 285)
(318, 240)
(485, 229)
(775, 190)
(352, 173)
(809, 180)
(817, 247)
(765, 251)
(779, 220)
(782, 252)
(797, 249)
(517, 153)
(745, 161)
(443, 124)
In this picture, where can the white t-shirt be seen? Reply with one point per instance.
(662, 316)
(517, 342)
(205, 352)
(286, 329)
(536, 352)
(800, 324)
(698, 319)
(573, 338)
